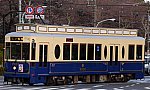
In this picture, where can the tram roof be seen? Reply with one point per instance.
(29, 34)
(65, 29)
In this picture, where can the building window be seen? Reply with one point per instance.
(98, 52)
(131, 52)
(82, 51)
(57, 51)
(74, 55)
(139, 52)
(123, 52)
(66, 51)
(90, 52)
(105, 52)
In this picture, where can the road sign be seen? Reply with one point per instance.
(29, 10)
(37, 16)
(29, 16)
(39, 10)
(32, 16)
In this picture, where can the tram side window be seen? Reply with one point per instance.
(57, 51)
(25, 51)
(74, 51)
(82, 51)
(45, 55)
(123, 52)
(66, 51)
(40, 55)
(8, 50)
(139, 52)
(90, 52)
(131, 52)
(105, 52)
(98, 52)
(16, 51)
(33, 50)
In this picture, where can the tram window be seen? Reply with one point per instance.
(90, 52)
(139, 52)
(8, 50)
(98, 52)
(74, 55)
(66, 51)
(40, 55)
(123, 52)
(57, 51)
(25, 51)
(16, 51)
(45, 55)
(33, 50)
(105, 52)
(131, 52)
(82, 51)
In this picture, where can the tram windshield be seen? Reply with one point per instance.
(17, 51)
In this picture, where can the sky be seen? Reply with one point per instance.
(147, 0)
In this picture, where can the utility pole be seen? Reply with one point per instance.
(119, 19)
(95, 13)
(148, 30)
(20, 1)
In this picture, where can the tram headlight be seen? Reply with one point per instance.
(14, 67)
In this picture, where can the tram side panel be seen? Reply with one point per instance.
(125, 66)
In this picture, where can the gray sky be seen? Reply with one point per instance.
(147, 0)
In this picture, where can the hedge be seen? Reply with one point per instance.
(1, 70)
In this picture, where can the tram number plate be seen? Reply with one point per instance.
(20, 68)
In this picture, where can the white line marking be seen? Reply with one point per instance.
(147, 87)
(98, 86)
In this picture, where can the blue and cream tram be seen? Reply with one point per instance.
(66, 54)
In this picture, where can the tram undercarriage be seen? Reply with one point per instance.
(63, 80)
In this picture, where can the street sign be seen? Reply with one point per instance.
(32, 16)
(29, 10)
(39, 10)
(29, 16)
(37, 17)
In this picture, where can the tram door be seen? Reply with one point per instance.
(114, 56)
(43, 54)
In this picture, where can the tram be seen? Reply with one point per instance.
(51, 54)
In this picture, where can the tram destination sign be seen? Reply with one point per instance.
(16, 38)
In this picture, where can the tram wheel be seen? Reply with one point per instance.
(49, 81)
